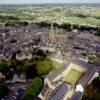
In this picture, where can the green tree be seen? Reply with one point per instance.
(95, 88)
(23, 66)
(1, 46)
(28, 97)
(5, 69)
(4, 66)
(3, 91)
(43, 66)
(33, 89)
(98, 32)
(96, 82)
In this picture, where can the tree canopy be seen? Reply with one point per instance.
(44, 66)
(3, 91)
(33, 89)
(92, 91)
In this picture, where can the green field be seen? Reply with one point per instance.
(83, 15)
(73, 76)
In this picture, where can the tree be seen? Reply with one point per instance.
(96, 82)
(66, 26)
(3, 91)
(33, 89)
(43, 66)
(1, 46)
(98, 32)
(4, 66)
(95, 88)
(5, 69)
(28, 97)
(28, 67)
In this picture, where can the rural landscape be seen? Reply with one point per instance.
(74, 14)
(50, 51)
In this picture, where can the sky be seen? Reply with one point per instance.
(46, 1)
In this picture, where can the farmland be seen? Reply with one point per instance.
(81, 15)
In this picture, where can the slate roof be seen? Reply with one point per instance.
(91, 68)
(77, 96)
(56, 73)
(59, 92)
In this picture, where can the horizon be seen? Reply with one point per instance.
(49, 2)
(21, 4)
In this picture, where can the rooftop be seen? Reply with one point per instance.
(90, 69)
(77, 96)
(59, 92)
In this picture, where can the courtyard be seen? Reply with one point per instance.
(73, 76)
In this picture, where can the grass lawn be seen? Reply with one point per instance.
(56, 64)
(84, 21)
(73, 76)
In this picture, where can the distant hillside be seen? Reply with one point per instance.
(81, 14)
